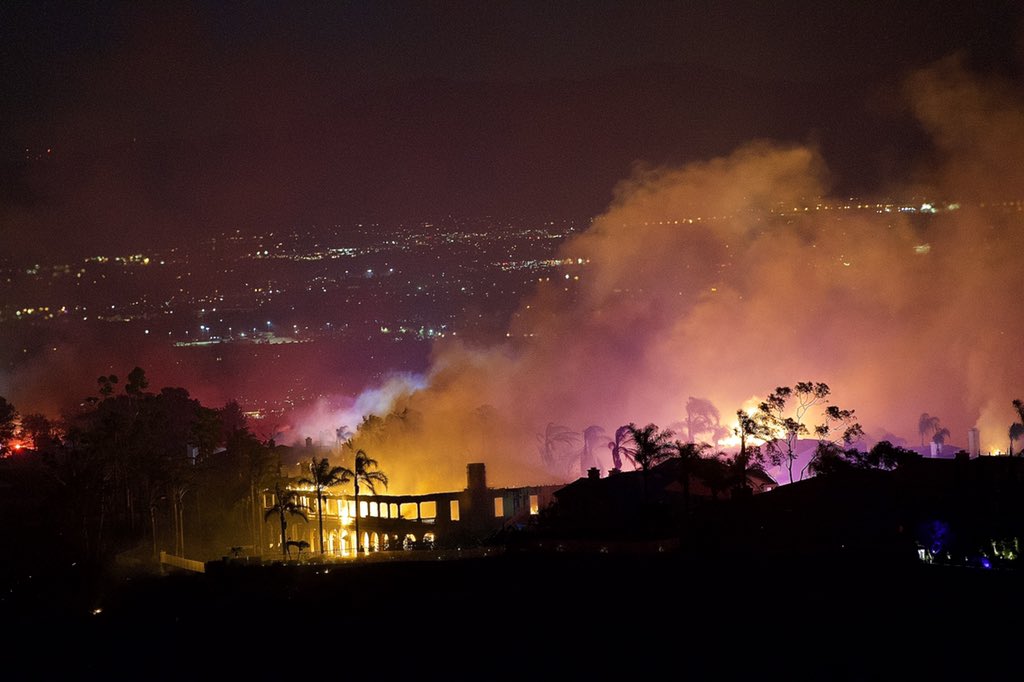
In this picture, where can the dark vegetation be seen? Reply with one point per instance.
(882, 565)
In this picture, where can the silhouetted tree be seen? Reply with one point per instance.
(619, 445)
(106, 385)
(926, 425)
(363, 472)
(37, 430)
(1016, 430)
(716, 472)
(690, 456)
(556, 440)
(702, 417)
(838, 431)
(883, 456)
(8, 419)
(1015, 433)
(286, 503)
(649, 446)
(137, 382)
(232, 421)
(749, 457)
(300, 545)
(829, 459)
(886, 456)
(260, 463)
(782, 417)
(322, 476)
(591, 435)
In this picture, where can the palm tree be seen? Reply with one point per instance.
(554, 438)
(1016, 431)
(1017, 427)
(591, 434)
(926, 424)
(650, 446)
(619, 446)
(322, 476)
(364, 472)
(286, 501)
(940, 435)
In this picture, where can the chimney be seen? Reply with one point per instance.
(476, 476)
(309, 442)
(593, 473)
(974, 442)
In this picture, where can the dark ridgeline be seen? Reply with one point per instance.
(882, 565)
(815, 580)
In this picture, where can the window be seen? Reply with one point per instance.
(534, 504)
(428, 509)
(409, 511)
(453, 509)
(499, 507)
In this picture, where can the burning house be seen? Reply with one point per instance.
(394, 522)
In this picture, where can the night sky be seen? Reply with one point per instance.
(707, 152)
(124, 125)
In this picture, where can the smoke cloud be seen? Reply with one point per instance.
(726, 278)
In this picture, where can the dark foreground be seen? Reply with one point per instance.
(526, 617)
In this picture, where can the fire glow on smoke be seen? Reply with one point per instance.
(726, 278)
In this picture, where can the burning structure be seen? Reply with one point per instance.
(390, 522)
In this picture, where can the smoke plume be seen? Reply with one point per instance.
(726, 278)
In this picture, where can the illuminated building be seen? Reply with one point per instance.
(396, 522)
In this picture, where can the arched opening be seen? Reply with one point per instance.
(375, 542)
(332, 542)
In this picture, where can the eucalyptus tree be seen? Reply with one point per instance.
(749, 457)
(322, 476)
(782, 416)
(837, 432)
